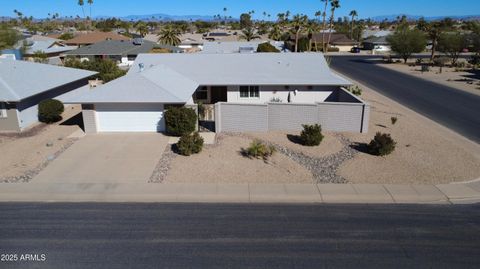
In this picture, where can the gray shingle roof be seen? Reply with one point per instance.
(173, 78)
(20, 79)
(114, 47)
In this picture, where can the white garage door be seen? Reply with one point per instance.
(130, 117)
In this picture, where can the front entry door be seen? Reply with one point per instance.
(218, 94)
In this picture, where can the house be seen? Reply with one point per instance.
(49, 46)
(124, 52)
(24, 84)
(137, 101)
(237, 46)
(340, 41)
(379, 44)
(86, 39)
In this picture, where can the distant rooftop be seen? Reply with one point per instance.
(115, 47)
(94, 37)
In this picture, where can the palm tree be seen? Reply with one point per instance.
(169, 36)
(318, 14)
(90, 3)
(249, 34)
(334, 5)
(324, 23)
(353, 14)
(275, 33)
(225, 15)
(298, 23)
(81, 3)
(142, 29)
(310, 29)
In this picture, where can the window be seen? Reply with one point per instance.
(3, 110)
(249, 91)
(201, 93)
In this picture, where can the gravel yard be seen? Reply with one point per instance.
(224, 163)
(459, 79)
(330, 143)
(425, 153)
(24, 155)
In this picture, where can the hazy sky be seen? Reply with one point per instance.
(365, 8)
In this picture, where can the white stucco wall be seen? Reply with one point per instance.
(28, 116)
(267, 93)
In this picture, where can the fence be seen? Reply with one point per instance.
(332, 116)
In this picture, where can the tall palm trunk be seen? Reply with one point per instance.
(297, 33)
(434, 48)
(330, 31)
(324, 23)
(351, 30)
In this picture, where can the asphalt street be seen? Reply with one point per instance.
(92, 235)
(455, 109)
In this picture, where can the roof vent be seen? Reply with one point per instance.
(141, 66)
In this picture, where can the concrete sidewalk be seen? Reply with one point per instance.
(240, 193)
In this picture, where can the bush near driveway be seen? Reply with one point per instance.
(180, 121)
(50, 111)
(311, 135)
(190, 144)
(381, 145)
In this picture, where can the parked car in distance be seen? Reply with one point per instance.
(355, 50)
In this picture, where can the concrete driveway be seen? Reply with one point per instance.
(107, 158)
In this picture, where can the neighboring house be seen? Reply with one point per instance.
(137, 101)
(237, 47)
(49, 46)
(124, 52)
(94, 37)
(379, 44)
(340, 41)
(221, 35)
(367, 33)
(24, 84)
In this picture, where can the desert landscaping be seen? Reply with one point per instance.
(460, 78)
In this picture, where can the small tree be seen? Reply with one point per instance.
(311, 135)
(381, 145)
(50, 111)
(180, 121)
(266, 47)
(406, 41)
(190, 144)
(452, 45)
(40, 57)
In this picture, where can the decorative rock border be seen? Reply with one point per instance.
(159, 174)
(324, 169)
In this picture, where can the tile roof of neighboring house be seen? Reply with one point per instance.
(94, 37)
(20, 79)
(173, 78)
(114, 47)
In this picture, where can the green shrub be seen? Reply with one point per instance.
(180, 120)
(311, 135)
(394, 120)
(190, 144)
(381, 145)
(259, 150)
(266, 47)
(50, 111)
(356, 90)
